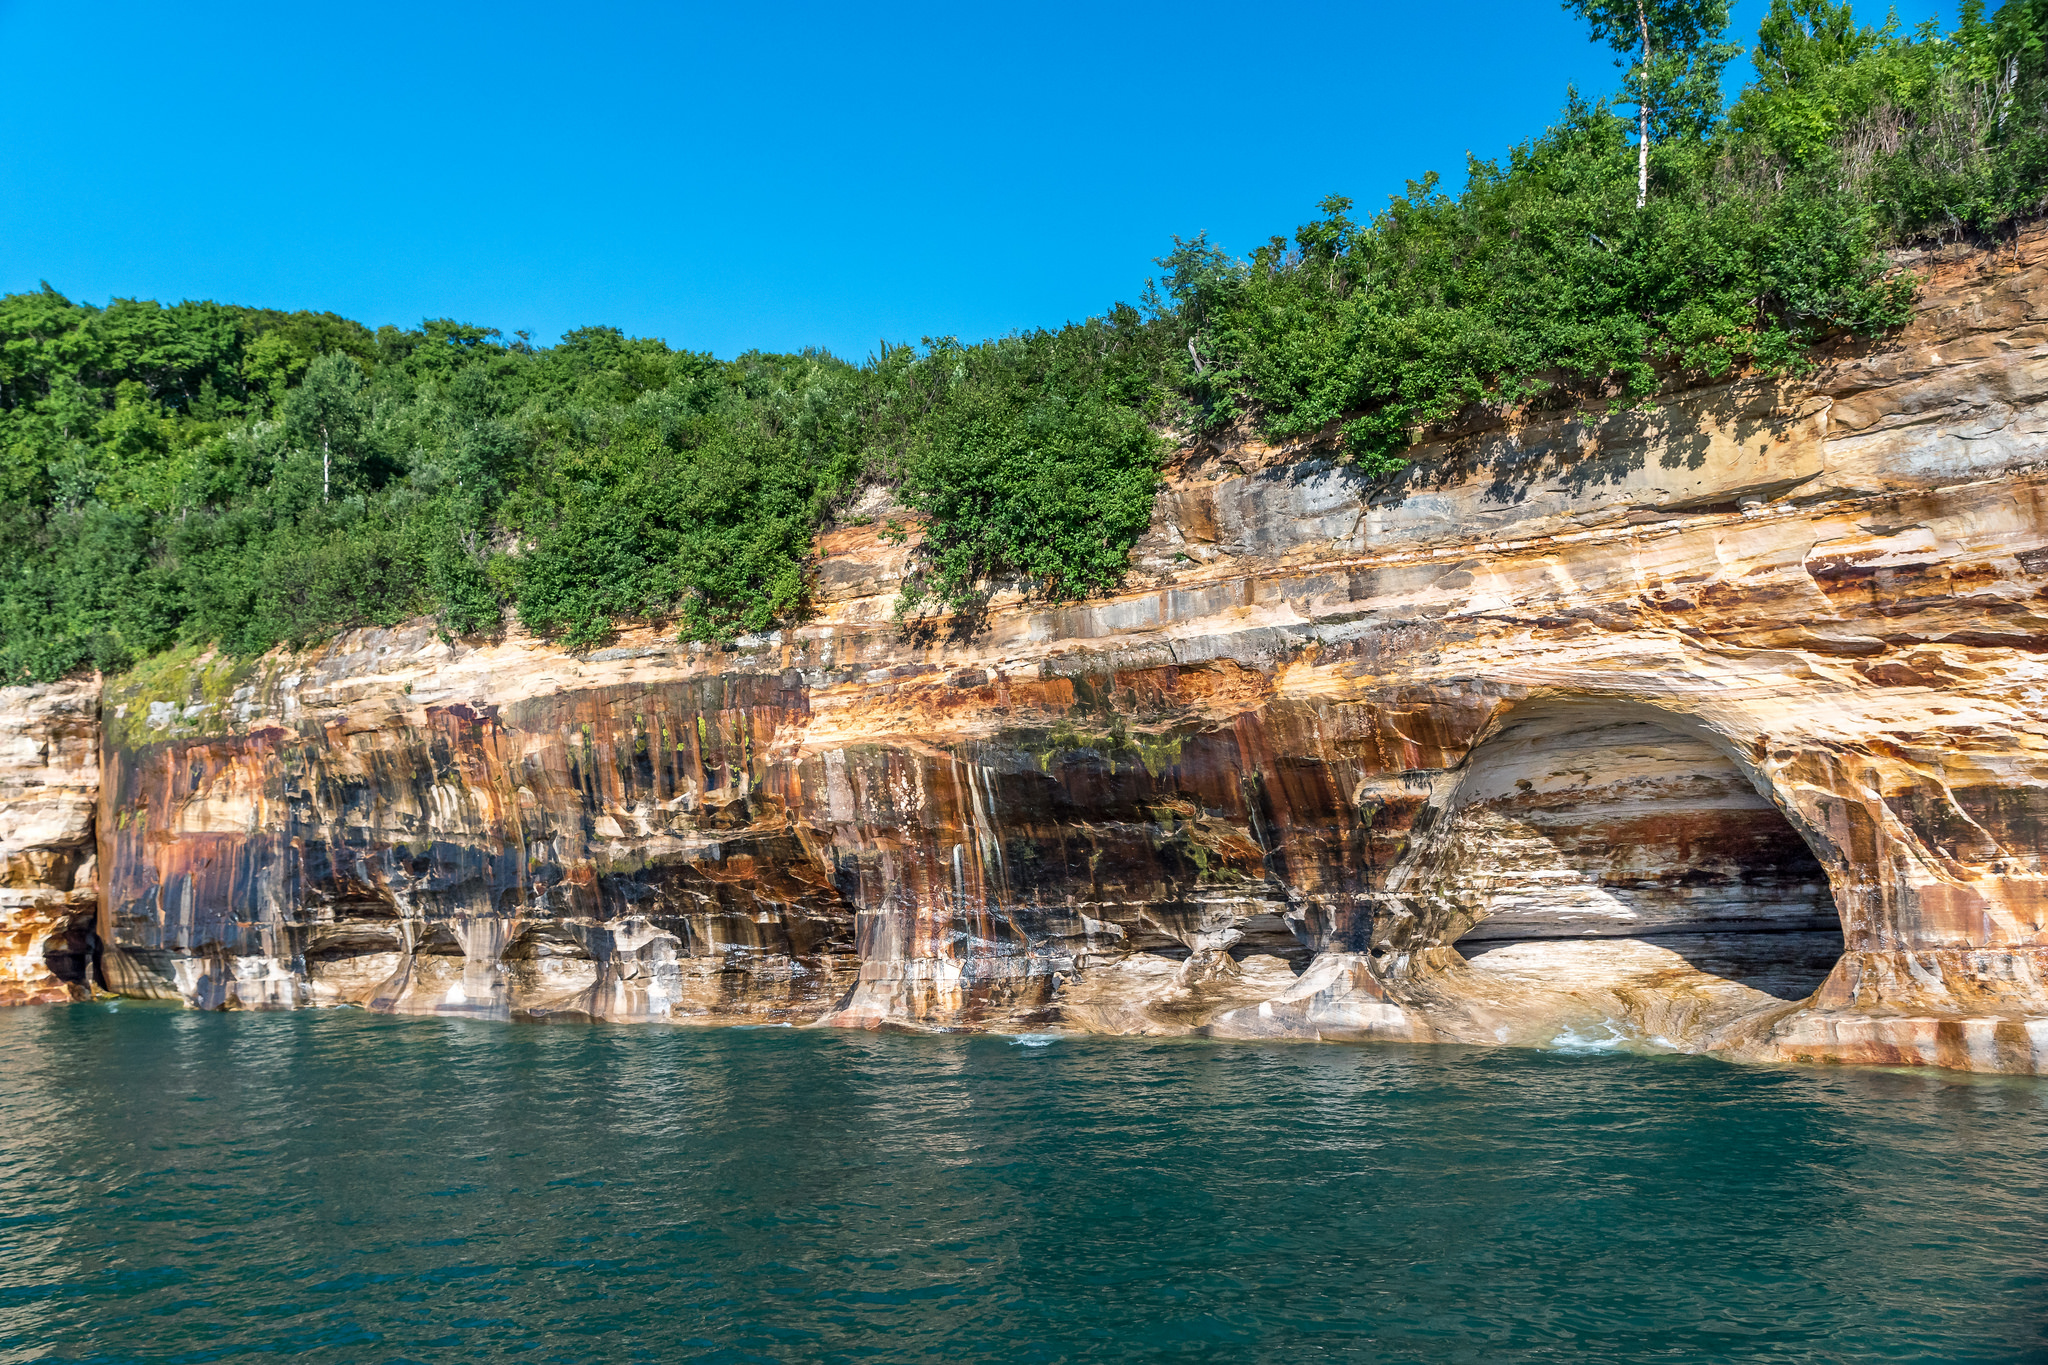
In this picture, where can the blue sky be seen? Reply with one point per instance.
(725, 177)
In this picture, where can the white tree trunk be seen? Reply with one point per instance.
(1643, 112)
(326, 462)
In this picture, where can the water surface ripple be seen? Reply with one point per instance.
(337, 1186)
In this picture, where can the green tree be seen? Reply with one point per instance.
(1818, 72)
(328, 412)
(1673, 54)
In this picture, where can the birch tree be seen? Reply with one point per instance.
(330, 409)
(1673, 54)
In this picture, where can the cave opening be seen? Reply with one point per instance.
(1595, 845)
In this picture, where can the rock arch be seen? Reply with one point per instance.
(1607, 865)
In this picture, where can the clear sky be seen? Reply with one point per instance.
(728, 177)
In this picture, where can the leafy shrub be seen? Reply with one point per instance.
(1026, 463)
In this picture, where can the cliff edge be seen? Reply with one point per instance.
(1715, 726)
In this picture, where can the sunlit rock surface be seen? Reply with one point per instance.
(49, 790)
(1715, 727)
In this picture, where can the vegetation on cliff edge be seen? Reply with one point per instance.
(204, 473)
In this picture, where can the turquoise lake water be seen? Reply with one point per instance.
(336, 1186)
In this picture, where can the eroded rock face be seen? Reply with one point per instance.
(49, 789)
(620, 852)
(1718, 724)
(1595, 864)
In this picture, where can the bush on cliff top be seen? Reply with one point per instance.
(205, 473)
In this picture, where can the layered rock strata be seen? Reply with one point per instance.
(1715, 726)
(49, 793)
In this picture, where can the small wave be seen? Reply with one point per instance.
(1615, 1037)
(1033, 1039)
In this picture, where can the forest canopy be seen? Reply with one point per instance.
(210, 474)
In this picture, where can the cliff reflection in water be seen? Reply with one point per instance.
(346, 1187)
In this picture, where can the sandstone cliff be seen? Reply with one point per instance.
(1716, 726)
(49, 789)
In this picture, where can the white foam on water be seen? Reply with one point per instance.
(1610, 1036)
(1034, 1039)
(1571, 1040)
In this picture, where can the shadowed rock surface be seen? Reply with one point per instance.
(1717, 724)
(49, 790)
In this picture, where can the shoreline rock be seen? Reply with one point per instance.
(1718, 725)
